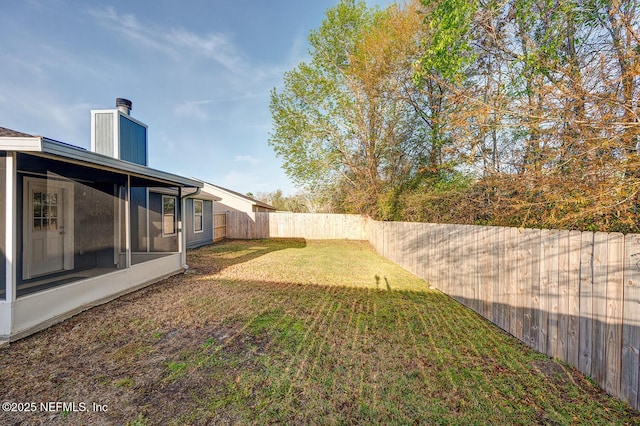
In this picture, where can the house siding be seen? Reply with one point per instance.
(104, 138)
(133, 141)
(160, 243)
(197, 239)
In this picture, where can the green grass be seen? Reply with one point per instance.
(326, 263)
(332, 333)
(292, 331)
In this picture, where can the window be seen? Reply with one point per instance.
(197, 216)
(45, 211)
(168, 215)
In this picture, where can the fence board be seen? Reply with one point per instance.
(468, 254)
(527, 241)
(406, 250)
(422, 255)
(543, 293)
(493, 262)
(475, 287)
(523, 281)
(440, 248)
(484, 287)
(598, 360)
(415, 246)
(219, 226)
(446, 258)
(573, 325)
(511, 267)
(459, 272)
(422, 250)
(563, 296)
(552, 293)
(432, 272)
(462, 279)
(630, 380)
(613, 355)
(500, 286)
(586, 303)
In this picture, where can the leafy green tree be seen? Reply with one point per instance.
(312, 132)
(346, 119)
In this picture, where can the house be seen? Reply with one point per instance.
(234, 201)
(112, 131)
(198, 218)
(79, 227)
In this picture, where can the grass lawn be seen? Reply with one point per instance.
(293, 331)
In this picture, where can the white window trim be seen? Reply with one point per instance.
(195, 231)
(175, 227)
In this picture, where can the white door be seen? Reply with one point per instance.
(46, 242)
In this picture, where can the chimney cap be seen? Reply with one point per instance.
(124, 105)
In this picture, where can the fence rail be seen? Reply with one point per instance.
(571, 295)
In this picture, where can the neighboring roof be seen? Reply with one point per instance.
(4, 132)
(11, 140)
(239, 195)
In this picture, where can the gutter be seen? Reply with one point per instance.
(191, 194)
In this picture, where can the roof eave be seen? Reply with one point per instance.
(57, 149)
(27, 144)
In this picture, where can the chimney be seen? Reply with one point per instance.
(116, 134)
(124, 105)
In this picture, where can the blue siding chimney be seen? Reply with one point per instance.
(133, 141)
(116, 134)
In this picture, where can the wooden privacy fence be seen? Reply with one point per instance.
(572, 295)
(314, 226)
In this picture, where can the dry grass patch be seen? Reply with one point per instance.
(293, 331)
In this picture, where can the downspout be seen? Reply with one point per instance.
(183, 236)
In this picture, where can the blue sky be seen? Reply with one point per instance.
(199, 74)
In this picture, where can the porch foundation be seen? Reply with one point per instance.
(37, 311)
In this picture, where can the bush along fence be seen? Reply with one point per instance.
(571, 295)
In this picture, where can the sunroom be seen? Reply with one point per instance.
(78, 228)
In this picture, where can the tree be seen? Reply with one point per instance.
(536, 105)
(281, 202)
(346, 119)
(518, 112)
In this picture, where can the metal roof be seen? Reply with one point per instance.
(11, 140)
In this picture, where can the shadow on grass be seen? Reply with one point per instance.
(386, 281)
(232, 252)
(256, 352)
